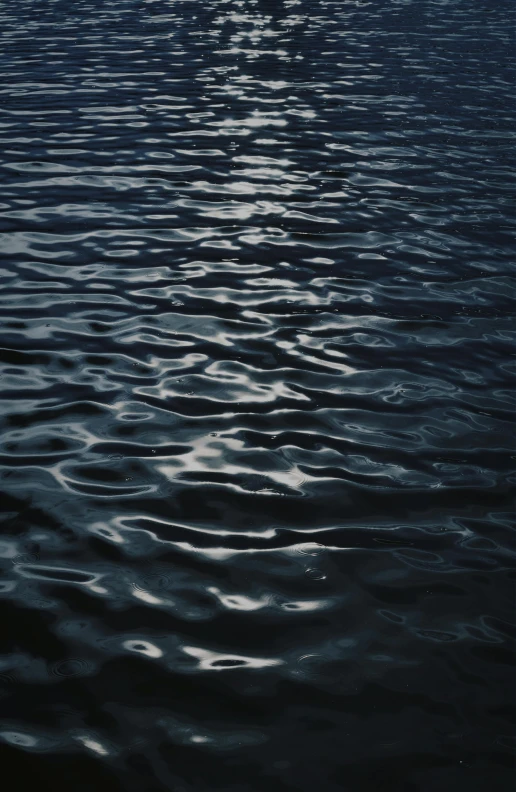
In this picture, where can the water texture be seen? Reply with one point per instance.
(257, 435)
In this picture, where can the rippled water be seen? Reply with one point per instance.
(257, 441)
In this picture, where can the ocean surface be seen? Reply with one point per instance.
(257, 395)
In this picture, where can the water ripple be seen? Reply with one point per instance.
(257, 416)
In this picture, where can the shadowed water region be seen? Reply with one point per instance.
(257, 410)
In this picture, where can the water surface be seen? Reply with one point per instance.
(257, 434)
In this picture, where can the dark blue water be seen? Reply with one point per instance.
(257, 417)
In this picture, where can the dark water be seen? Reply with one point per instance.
(257, 412)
